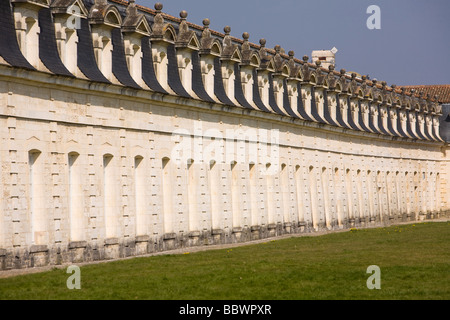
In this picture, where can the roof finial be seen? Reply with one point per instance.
(184, 34)
(262, 52)
(183, 15)
(227, 30)
(206, 33)
(246, 51)
(158, 7)
(245, 45)
(158, 22)
(131, 9)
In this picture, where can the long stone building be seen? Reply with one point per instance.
(125, 131)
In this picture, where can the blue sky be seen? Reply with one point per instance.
(412, 47)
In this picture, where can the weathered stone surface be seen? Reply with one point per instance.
(91, 169)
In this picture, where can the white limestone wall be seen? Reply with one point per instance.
(121, 175)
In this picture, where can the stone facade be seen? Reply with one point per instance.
(129, 132)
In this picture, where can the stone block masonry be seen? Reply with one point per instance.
(125, 161)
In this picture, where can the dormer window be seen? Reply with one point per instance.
(169, 36)
(134, 28)
(26, 17)
(67, 21)
(102, 24)
(112, 19)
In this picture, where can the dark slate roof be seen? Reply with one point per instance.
(272, 102)
(128, 10)
(380, 123)
(444, 128)
(372, 125)
(173, 76)
(409, 128)
(256, 96)
(219, 90)
(48, 50)
(238, 92)
(419, 133)
(399, 125)
(86, 59)
(148, 71)
(360, 118)
(9, 48)
(314, 111)
(119, 62)
(390, 129)
(326, 111)
(88, 4)
(301, 108)
(286, 102)
(427, 133)
(197, 81)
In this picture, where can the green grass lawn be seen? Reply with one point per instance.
(414, 261)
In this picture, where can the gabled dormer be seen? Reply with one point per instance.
(103, 18)
(309, 80)
(186, 44)
(295, 77)
(163, 35)
(356, 96)
(366, 99)
(67, 15)
(134, 28)
(230, 56)
(320, 87)
(344, 92)
(26, 20)
(281, 74)
(250, 62)
(332, 89)
(210, 49)
(266, 68)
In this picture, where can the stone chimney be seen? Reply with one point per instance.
(326, 57)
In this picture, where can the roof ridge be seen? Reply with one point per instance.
(198, 27)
